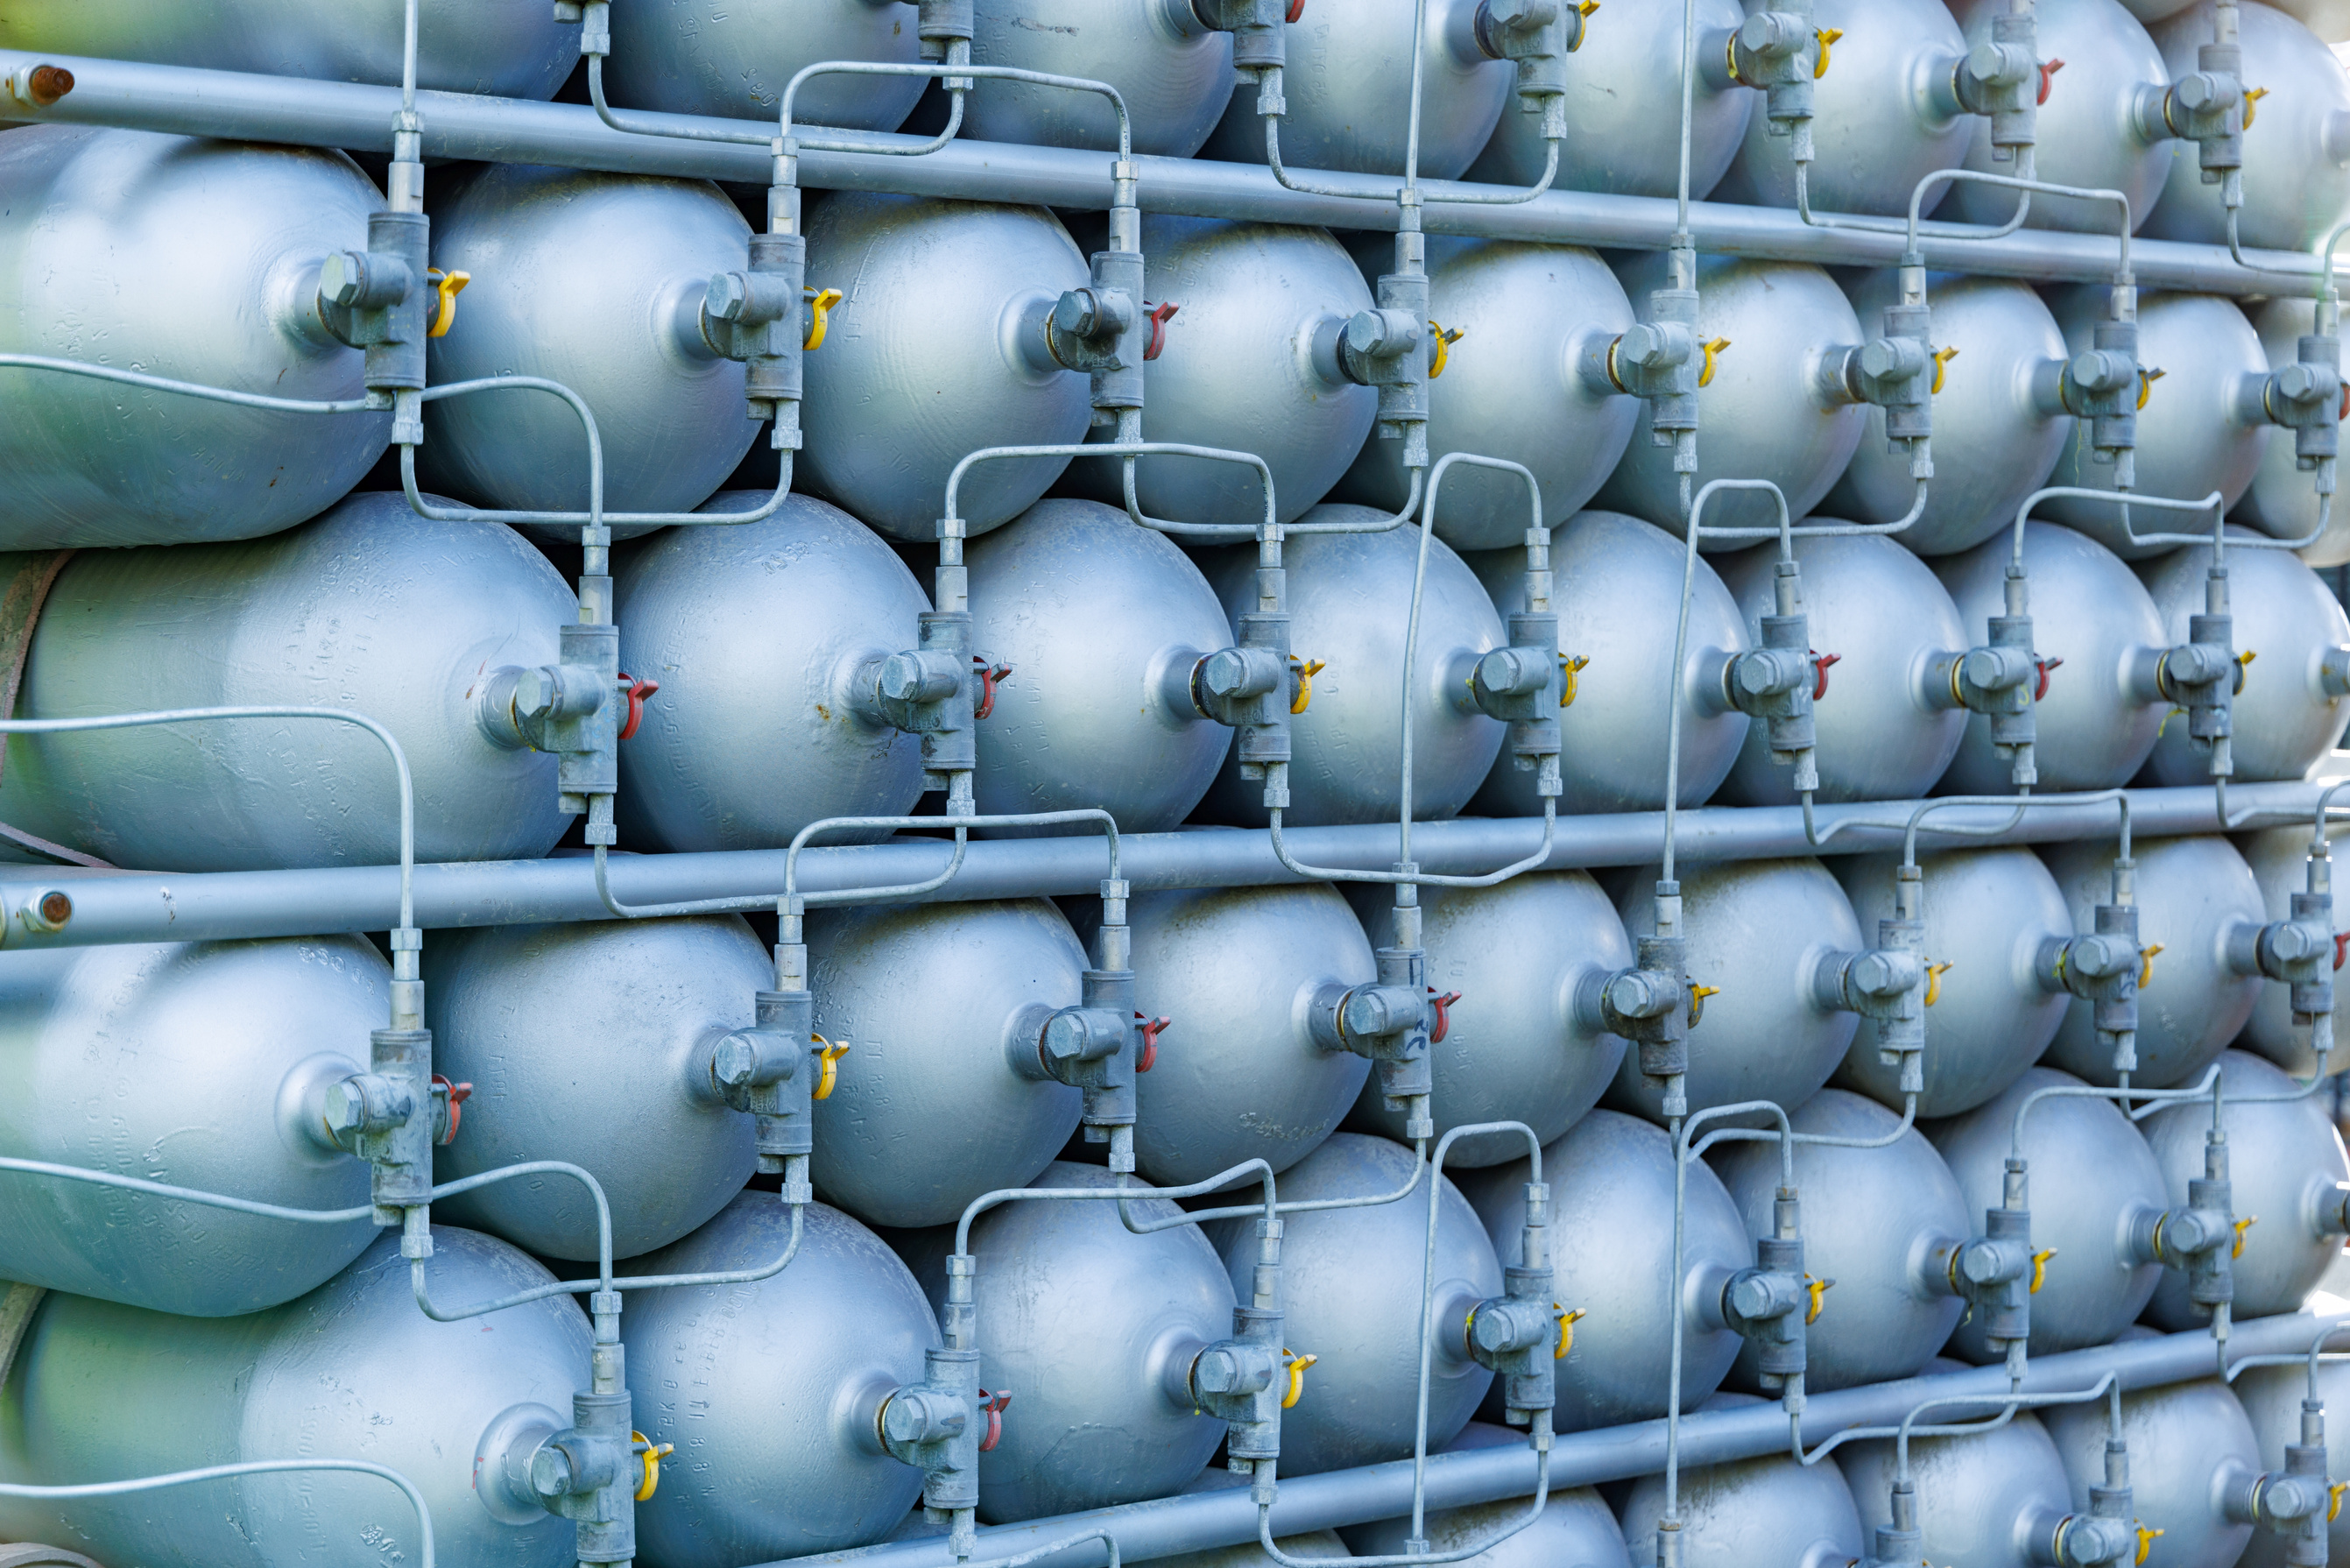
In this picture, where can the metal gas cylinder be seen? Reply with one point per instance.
(1249, 363)
(1103, 626)
(1239, 1075)
(2297, 151)
(508, 49)
(1767, 1512)
(2097, 635)
(1769, 409)
(1879, 1221)
(350, 1370)
(1611, 1184)
(2193, 895)
(211, 1061)
(735, 62)
(1996, 435)
(822, 1345)
(1348, 78)
(2199, 428)
(611, 1026)
(369, 608)
(1761, 933)
(758, 633)
(1575, 1530)
(936, 349)
(2091, 1175)
(2288, 709)
(1349, 604)
(2271, 1397)
(2282, 500)
(1623, 90)
(2278, 858)
(86, 217)
(595, 281)
(1521, 1042)
(2191, 1445)
(1618, 587)
(1987, 1499)
(1529, 385)
(1173, 73)
(944, 1005)
(1886, 732)
(2286, 1168)
(1987, 914)
(1351, 1288)
(1092, 1330)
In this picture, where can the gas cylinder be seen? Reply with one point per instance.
(212, 1062)
(1762, 933)
(1886, 726)
(1617, 587)
(1767, 1512)
(1574, 1528)
(2190, 1445)
(2278, 858)
(1987, 1499)
(1172, 72)
(766, 637)
(2329, 19)
(1769, 412)
(2287, 1169)
(1880, 1222)
(2271, 1397)
(2283, 500)
(735, 62)
(1249, 1554)
(1611, 1187)
(369, 608)
(1521, 1044)
(2289, 711)
(1527, 383)
(944, 1005)
(1351, 1288)
(784, 1376)
(596, 281)
(609, 1026)
(1103, 626)
(2090, 1176)
(1350, 601)
(102, 1391)
(86, 216)
(1997, 430)
(2193, 896)
(935, 350)
(2296, 174)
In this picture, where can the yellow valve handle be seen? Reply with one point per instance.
(1705, 376)
(2146, 966)
(819, 315)
(1566, 1332)
(653, 1454)
(2039, 1269)
(2146, 1540)
(827, 1066)
(2334, 1500)
(1310, 667)
(2146, 381)
(1934, 972)
(1585, 11)
(1697, 993)
(1444, 342)
(1942, 358)
(1818, 1288)
(1297, 1366)
(1571, 667)
(2246, 1223)
(1827, 38)
(446, 287)
(2252, 97)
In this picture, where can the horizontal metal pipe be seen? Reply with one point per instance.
(144, 906)
(463, 126)
(1201, 1521)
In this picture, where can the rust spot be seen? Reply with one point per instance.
(824, 713)
(55, 907)
(47, 84)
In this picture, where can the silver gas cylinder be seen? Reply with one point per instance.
(1623, 89)
(1172, 72)
(1611, 1191)
(2191, 1445)
(2296, 171)
(203, 1065)
(1248, 363)
(784, 1376)
(1886, 732)
(766, 637)
(1527, 383)
(1988, 911)
(734, 62)
(936, 349)
(86, 215)
(1767, 1512)
(2278, 858)
(2287, 1170)
(595, 281)
(2282, 502)
(944, 1096)
(1351, 1288)
(1616, 589)
(1986, 1499)
(1349, 79)
(1575, 1530)
(2271, 1397)
(1769, 409)
(2289, 711)
(2098, 634)
(1997, 434)
(609, 1026)
(350, 1370)
(1761, 933)
(1349, 603)
(2329, 19)
(1522, 1042)
(2194, 894)
(1879, 1221)
(2199, 428)
(369, 608)
(2092, 1175)
(1103, 626)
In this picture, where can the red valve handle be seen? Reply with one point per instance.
(993, 1406)
(2344, 415)
(2046, 71)
(1444, 1015)
(1297, 9)
(1158, 320)
(2341, 941)
(1820, 662)
(638, 691)
(989, 675)
(1153, 1027)
(460, 1093)
(2040, 694)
